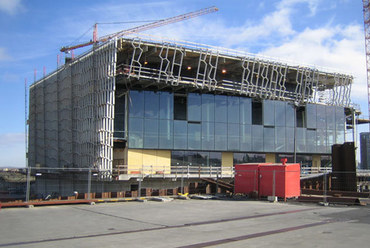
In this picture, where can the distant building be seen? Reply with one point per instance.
(365, 150)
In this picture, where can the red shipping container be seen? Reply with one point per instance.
(286, 183)
(259, 178)
(246, 178)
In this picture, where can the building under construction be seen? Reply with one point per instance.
(141, 106)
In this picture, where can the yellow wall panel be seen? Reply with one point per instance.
(164, 161)
(134, 160)
(149, 161)
(227, 162)
(316, 161)
(270, 158)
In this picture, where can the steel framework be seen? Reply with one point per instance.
(167, 63)
(71, 114)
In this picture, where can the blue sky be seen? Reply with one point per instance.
(327, 33)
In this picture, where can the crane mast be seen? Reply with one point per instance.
(366, 9)
(142, 27)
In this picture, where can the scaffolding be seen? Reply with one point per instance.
(72, 112)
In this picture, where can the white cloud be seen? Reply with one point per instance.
(341, 48)
(12, 150)
(4, 55)
(338, 47)
(312, 4)
(11, 6)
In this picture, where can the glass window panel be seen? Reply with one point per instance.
(330, 117)
(339, 118)
(208, 107)
(304, 160)
(136, 103)
(321, 116)
(268, 113)
(177, 159)
(269, 139)
(221, 136)
(233, 137)
(245, 137)
(215, 159)
(330, 139)
(311, 115)
(280, 118)
(245, 110)
(289, 139)
(301, 140)
(166, 105)
(151, 105)
(119, 126)
(136, 132)
(340, 137)
(208, 135)
(290, 115)
(151, 133)
(194, 107)
(194, 136)
(256, 113)
(233, 109)
(221, 108)
(196, 160)
(241, 158)
(321, 140)
(180, 137)
(238, 158)
(301, 116)
(119, 117)
(325, 161)
(165, 134)
(257, 138)
(202, 159)
(280, 139)
(311, 141)
(180, 107)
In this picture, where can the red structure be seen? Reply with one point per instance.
(246, 178)
(281, 180)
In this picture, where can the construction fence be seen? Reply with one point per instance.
(45, 184)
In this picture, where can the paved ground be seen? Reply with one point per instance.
(180, 223)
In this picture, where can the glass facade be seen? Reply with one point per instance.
(195, 159)
(119, 117)
(240, 158)
(304, 160)
(206, 122)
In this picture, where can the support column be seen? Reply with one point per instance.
(227, 162)
(316, 161)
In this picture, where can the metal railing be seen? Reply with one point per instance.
(45, 183)
(167, 171)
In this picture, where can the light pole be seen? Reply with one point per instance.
(295, 105)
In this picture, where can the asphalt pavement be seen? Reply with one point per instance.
(186, 223)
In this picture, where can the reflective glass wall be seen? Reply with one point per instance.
(194, 158)
(206, 122)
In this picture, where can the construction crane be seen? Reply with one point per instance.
(141, 28)
(366, 8)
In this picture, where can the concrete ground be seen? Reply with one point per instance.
(186, 223)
